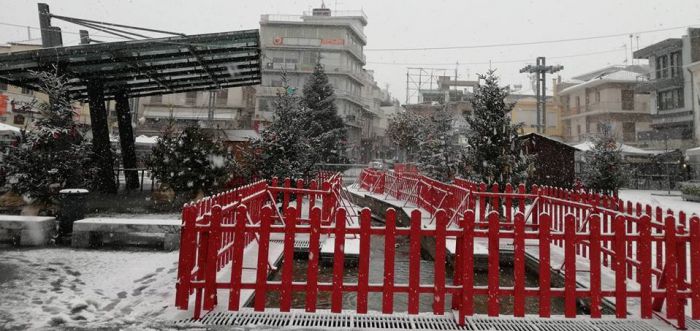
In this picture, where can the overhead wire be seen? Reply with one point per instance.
(539, 42)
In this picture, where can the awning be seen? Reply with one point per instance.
(144, 67)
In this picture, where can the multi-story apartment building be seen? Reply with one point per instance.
(608, 96)
(525, 111)
(673, 102)
(293, 44)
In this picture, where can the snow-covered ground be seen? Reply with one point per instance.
(65, 288)
(661, 199)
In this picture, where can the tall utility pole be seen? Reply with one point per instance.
(541, 70)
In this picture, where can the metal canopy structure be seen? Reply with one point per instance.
(144, 67)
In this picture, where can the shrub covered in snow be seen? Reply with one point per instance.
(191, 161)
(439, 155)
(404, 130)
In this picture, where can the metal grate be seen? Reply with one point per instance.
(325, 320)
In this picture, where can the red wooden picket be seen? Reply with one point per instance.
(570, 266)
(414, 262)
(237, 255)
(659, 244)
(439, 281)
(286, 194)
(300, 197)
(210, 267)
(338, 261)
(670, 269)
(519, 266)
(545, 271)
(290, 215)
(695, 266)
(186, 257)
(314, 255)
(494, 266)
(595, 246)
(467, 304)
(620, 264)
(263, 249)
(389, 248)
(363, 263)
(509, 203)
(644, 258)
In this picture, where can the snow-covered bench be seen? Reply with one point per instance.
(89, 231)
(27, 230)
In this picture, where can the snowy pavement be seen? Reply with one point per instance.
(87, 289)
(661, 199)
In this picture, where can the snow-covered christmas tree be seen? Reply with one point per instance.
(404, 130)
(284, 149)
(495, 153)
(439, 156)
(324, 127)
(191, 161)
(603, 168)
(53, 154)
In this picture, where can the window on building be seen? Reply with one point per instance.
(596, 96)
(676, 64)
(191, 98)
(578, 104)
(578, 131)
(27, 91)
(222, 97)
(662, 66)
(670, 99)
(3, 86)
(156, 99)
(627, 97)
(628, 131)
(19, 120)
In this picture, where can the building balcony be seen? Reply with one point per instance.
(659, 81)
(599, 108)
(665, 118)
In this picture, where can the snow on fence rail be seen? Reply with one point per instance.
(657, 250)
(208, 243)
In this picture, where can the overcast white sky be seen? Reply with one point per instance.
(411, 24)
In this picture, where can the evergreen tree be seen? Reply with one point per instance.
(327, 133)
(284, 148)
(52, 155)
(495, 153)
(191, 161)
(439, 157)
(404, 130)
(603, 168)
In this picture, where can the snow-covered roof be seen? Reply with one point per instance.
(9, 128)
(621, 76)
(693, 151)
(625, 149)
(142, 139)
(241, 135)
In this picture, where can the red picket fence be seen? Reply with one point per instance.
(206, 246)
(597, 222)
(462, 290)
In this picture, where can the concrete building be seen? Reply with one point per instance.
(673, 101)
(224, 109)
(525, 111)
(608, 96)
(13, 99)
(294, 43)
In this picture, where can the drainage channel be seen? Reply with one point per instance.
(325, 320)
